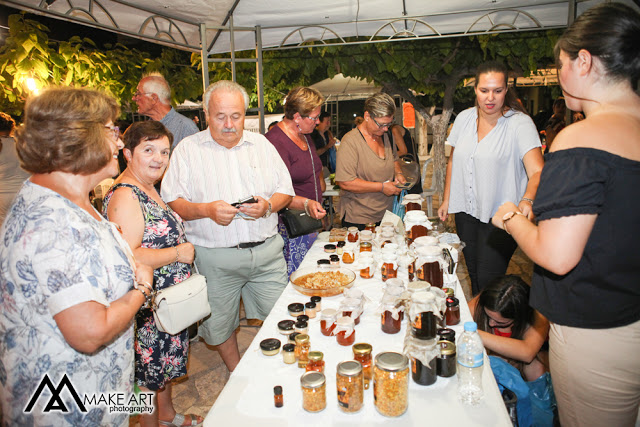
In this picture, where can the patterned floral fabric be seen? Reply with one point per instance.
(295, 249)
(160, 357)
(53, 256)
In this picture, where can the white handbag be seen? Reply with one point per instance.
(180, 306)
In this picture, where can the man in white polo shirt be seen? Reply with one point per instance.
(238, 248)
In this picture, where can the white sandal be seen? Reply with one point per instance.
(178, 421)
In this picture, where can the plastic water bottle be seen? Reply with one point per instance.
(470, 362)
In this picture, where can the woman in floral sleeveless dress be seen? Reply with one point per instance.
(156, 235)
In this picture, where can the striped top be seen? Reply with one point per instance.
(488, 173)
(202, 171)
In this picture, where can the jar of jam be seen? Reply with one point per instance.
(423, 354)
(345, 331)
(446, 334)
(350, 386)
(452, 315)
(389, 267)
(429, 265)
(392, 315)
(412, 202)
(366, 246)
(314, 391)
(328, 318)
(423, 322)
(348, 254)
(352, 307)
(303, 345)
(370, 226)
(362, 353)
(315, 362)
(367, 265)
(446, 362)
(391, 384)
(352, 234)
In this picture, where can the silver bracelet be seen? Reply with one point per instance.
(306, 207)
(526, 199)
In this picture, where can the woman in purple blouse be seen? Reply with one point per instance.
(292, 140)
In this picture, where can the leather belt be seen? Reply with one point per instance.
(248, 245)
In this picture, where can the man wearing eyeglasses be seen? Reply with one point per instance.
(153, 97)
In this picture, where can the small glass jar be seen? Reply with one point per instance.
(425, 323)
(323, 263)
(295, 309)
(348, 254)
(366, 246)
(446, 334)
(350, 386)
(340, 247)
(352, 235)
(429, 265)
(303, 345)
(310, 309)
(315, 362)
(303, 317)
(367, 265)
(270, 346)
(452, 315)
(446, 362)
(314, 391)
(391, 384)
(362, 353)
(328, 318)
(301, 327)
(392, 315)
(415, 224)
(370, 226)
(345, 331)
(330, 248)
(318, 301)
(352, 307)
(285, 327)
(334, 259)
(289, 353)
(389, 268)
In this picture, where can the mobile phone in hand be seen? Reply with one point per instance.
(246, 200)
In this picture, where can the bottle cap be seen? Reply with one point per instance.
(470, 326)
(277, 390)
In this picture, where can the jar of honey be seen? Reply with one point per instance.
(348, 254)
(328, 318)
(345, 331)
(370, 226)
(315, 362)
(351, 307)
(389, 267)
(392, 315)
(367, 265)
(429, 265)
(366, 246)
(362, 353)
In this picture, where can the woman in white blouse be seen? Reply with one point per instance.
(495, 158)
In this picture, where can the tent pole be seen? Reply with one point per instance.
(260, 82)
(205, 56)
(572, 12)
(233, 49)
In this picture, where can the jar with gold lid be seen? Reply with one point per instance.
(350, 386)
(391, 384)
(362, 353)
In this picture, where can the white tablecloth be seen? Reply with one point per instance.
(247, 399)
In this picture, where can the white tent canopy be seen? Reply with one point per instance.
(342, 88)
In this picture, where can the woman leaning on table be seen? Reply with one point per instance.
(292, 139)
(496, 157)
(586, 240)
(367, 168)
(69, 287)
(156, 234)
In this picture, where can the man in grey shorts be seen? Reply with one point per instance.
(238, 247)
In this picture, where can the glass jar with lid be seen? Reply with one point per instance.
(392, 313)
(345, 331)
(391, 384)
(412, 202)
(429, 265)
(424, 321)
(362, 353)
(350, 386)
(370, 226)
(314, 391)
(416, 224)
(389, 268)
(316, 362)
(349, 254)
(452, 315)
(352, 235)
(352, 307)
(303, 345)
(328, 318)
(446, 362)
(423, 354)
(367, 265)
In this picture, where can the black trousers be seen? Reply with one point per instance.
(361, 227)
(487, 252)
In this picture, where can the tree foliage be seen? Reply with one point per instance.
(29, 53)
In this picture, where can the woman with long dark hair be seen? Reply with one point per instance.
(585, 242)
(496, 157)
(509, 327)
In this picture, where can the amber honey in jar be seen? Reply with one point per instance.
(389, 269)
(350, 386)
(316, 362)
(303, 345)
(391, 384)
(366, 247)
(345, 331)
(328, 318)
(362, 353)
(370, 226)
(452, 315)
(314, 391)
(392, 315)
(352, 307)
(348, 254)
(352, 234)
(429, 265)
(367, 265)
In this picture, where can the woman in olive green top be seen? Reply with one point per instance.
(367, 169)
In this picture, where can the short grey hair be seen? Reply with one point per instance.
(156, 83)
(226, 86)
(380, 105)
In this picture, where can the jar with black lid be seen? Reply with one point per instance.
(446, 362)
(447, 334)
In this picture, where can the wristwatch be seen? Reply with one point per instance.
(268, 212)
(507, 217)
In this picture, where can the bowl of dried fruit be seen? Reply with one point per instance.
(322, 282)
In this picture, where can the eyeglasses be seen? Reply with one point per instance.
(383, 125)
(498, 325)
(313, 119)
(115, 132)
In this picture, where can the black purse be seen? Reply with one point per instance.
(297, 221)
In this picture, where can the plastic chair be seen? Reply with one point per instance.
(428, 193)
